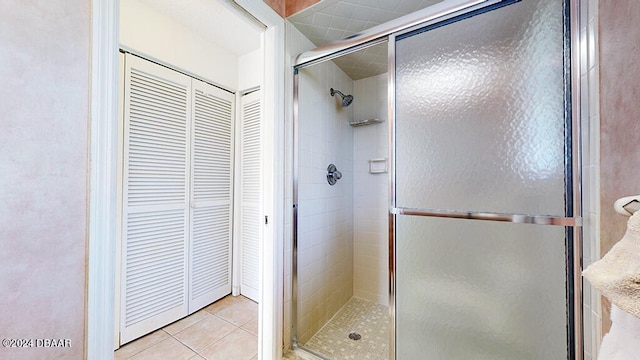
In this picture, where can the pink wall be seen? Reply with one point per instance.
(287, 8)
(620, 116)
(44, 71)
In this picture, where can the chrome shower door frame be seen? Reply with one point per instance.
(574, 41)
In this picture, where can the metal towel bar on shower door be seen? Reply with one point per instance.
(489, 216)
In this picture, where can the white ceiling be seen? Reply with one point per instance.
(324, 22)
(331, 20)
(215, 20)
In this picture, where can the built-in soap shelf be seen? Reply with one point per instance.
(356, 123)
(378, 166)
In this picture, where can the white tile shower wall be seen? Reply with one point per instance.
(296, 43)
(370, 197)
(325, 213)
(590, 119)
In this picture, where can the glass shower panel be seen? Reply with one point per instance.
(481, 127)
(477, 290)
(480, 109)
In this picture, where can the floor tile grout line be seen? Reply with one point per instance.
(211, 344)
(196, 351)
(185, 327)
(144, 348)
(232, 323)
(233, 301)
(215, 342)
(181, 342)
(249, 331)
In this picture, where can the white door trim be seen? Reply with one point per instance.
(103, 157)
(271, 312)
(103, 183)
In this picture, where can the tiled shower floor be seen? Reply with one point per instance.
(368, 319)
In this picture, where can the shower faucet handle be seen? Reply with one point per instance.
(333, 175)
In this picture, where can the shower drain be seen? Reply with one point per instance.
(355, 336)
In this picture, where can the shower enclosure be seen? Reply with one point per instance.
(483, 196)
(342, 211)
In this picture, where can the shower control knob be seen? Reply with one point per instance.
(333, 175)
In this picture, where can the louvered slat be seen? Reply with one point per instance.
(146, 250)
(212, 148)
(210, 265)
(250, 246)
(157, 116)
(211, 248)
(155, 228)
(250, 194)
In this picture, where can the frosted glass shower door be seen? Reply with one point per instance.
(481, 134)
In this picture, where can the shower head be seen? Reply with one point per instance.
(346, 99)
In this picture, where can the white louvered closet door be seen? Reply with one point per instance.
(211, 198)
(250, 225)
(155, 197)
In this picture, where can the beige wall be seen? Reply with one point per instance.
(166, 39)
(619, 114)
(43, 174)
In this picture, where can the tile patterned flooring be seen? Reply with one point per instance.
(368, 319)
(226, 329)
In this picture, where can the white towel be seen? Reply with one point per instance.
(617, 274)
(623, 340)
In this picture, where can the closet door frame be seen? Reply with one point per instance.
(102, 212)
